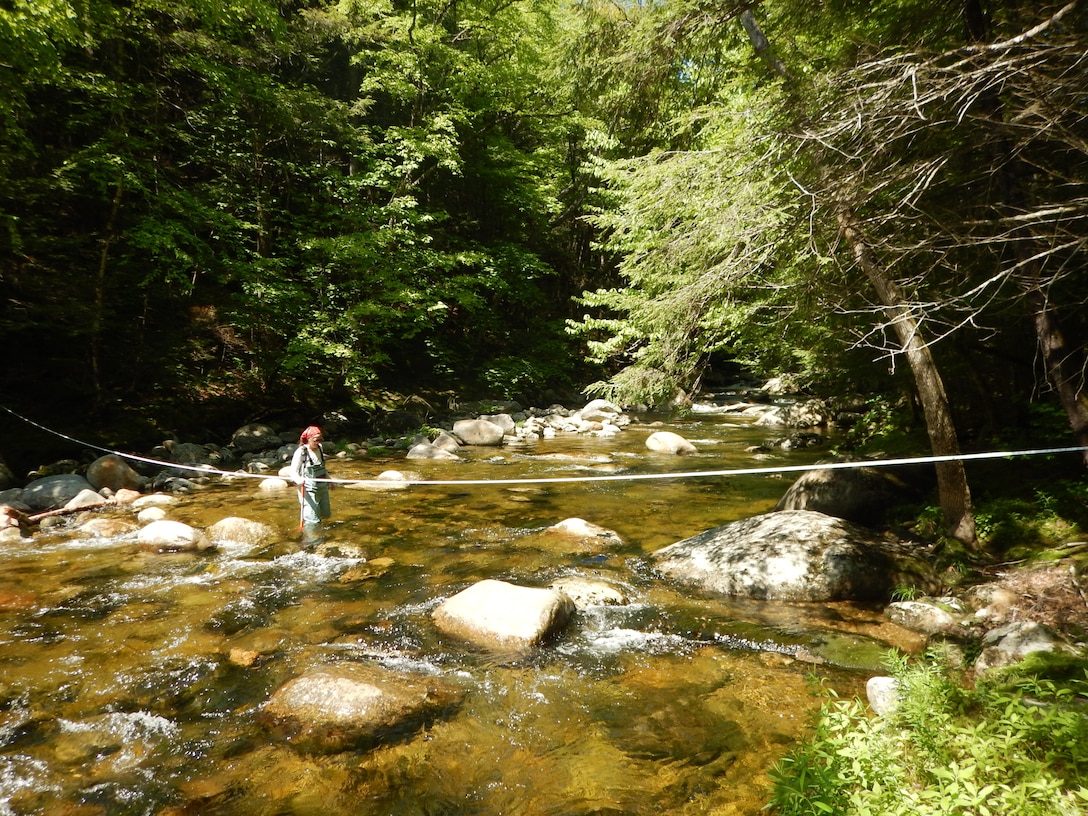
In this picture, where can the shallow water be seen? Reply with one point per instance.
(118, 694)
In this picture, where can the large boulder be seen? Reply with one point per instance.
(504, 617)
(859, 494)
(447, 442)
(190, 453)
(255, 437)
(504, 421)
(601, 410)
(794, 555)
(53, 492)
(810, 413)
(354, 705)
(113, 472)
(478, 432)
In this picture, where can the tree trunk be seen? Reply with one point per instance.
(97, 314)
(1066, 378)
(953, 492)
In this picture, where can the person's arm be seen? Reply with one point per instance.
(296, 465)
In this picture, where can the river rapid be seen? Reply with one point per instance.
(122, 691)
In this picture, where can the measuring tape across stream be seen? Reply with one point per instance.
(621, 477)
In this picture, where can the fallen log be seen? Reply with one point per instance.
(64, 511)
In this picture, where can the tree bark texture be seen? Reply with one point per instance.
(1060, 361)
(954, 494)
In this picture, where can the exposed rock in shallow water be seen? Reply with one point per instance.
(589, 592)
(669, 442)
(115, 473)
(51, 492)
(242, 530)
(478, 432)
(504, 617)
(172, 536)
(585, 530)
(794, 555)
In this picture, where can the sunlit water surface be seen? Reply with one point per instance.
(118, 694)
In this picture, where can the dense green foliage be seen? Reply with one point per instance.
(270, 202)
(727, 236)
(1001, 747)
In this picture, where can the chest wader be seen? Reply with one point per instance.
(314, 495)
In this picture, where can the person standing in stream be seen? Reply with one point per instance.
(307, 468)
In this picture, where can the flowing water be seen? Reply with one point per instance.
(121, 691)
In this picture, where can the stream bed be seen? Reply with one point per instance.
(121, 691)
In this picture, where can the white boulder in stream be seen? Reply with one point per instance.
(669, 442)
(794, 555)
(172, 536)
(355, 705)
(504, 617)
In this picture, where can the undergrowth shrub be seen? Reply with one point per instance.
(1016, 746)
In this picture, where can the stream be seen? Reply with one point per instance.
(120, 692)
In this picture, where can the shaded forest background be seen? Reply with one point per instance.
(213, 212)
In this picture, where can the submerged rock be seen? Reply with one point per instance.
(794, 555)
(428, 450)
(585, 530)
(106, 528)
(354, 705)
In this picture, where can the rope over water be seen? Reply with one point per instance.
(624, 477)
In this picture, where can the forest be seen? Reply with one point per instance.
(213, 211)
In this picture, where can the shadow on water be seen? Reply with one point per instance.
(121, 690)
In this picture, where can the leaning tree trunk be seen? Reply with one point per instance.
(954, 494)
